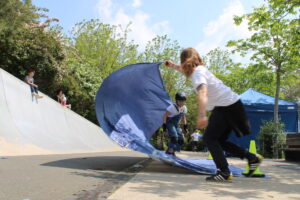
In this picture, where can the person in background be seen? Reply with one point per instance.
(175, 112)
(62, 99)
(30, 81)
(195, 140)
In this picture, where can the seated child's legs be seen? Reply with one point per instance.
(33, 89)
(36, 90)
(64, 103)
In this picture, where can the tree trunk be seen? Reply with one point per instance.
(276, 117)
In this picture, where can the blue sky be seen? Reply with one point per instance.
(201, 24)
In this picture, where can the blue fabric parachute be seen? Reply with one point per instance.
(129, 106)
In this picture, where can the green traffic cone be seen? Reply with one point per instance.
(209, 156)
(257, 172)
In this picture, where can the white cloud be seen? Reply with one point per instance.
(104, 8)
(136, 3)
(141, 30)
(223, 29)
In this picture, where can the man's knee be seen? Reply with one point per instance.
(173, 140)
(223, 144)
(208, 139)
(205, 138)
(180, 142)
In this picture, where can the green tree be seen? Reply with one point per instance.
(292, 91)
(275, 42)
(95, 50)
(26, 42)
(162, 48)
(16, 14)
(219, 62)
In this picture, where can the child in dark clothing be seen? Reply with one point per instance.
(174, 113)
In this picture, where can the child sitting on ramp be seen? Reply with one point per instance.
(62, 99)
(175, 112)
(30, 81)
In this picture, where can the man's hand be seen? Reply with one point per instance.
(164, 127)
(202, 121)
(185, 127)
(169, 63)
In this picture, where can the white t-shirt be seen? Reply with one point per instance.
(173, 110)
(196, 136)
(218, 94)
(62, 97)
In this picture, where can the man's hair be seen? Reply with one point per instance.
(30, 70)
(190, 59)
(58, 91)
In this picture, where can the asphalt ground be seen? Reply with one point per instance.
(71, 176)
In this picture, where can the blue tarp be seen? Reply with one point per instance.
(129, 106)
(260, 108)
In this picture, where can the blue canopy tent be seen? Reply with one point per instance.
(260, 108)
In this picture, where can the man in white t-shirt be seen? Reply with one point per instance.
(227, 114)
(172, 117)
(195, 140)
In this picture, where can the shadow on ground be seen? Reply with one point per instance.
(110, 171)
(284, 178)
(111, 163)
(116, 170)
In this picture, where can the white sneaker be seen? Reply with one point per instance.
(37, 95)
(34, 94)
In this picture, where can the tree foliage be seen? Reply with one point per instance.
(162, 48)
(275, 42)
(95, 50)
(26, 43)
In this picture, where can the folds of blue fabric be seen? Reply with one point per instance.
(129, 107)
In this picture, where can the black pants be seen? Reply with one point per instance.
(194, 145)
(221, 122)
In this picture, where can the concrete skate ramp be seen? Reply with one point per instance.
(31, 127)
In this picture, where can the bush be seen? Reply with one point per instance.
(159, 140)
(271, 139)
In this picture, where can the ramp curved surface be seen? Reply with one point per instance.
(129, 106)
(31, 127)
